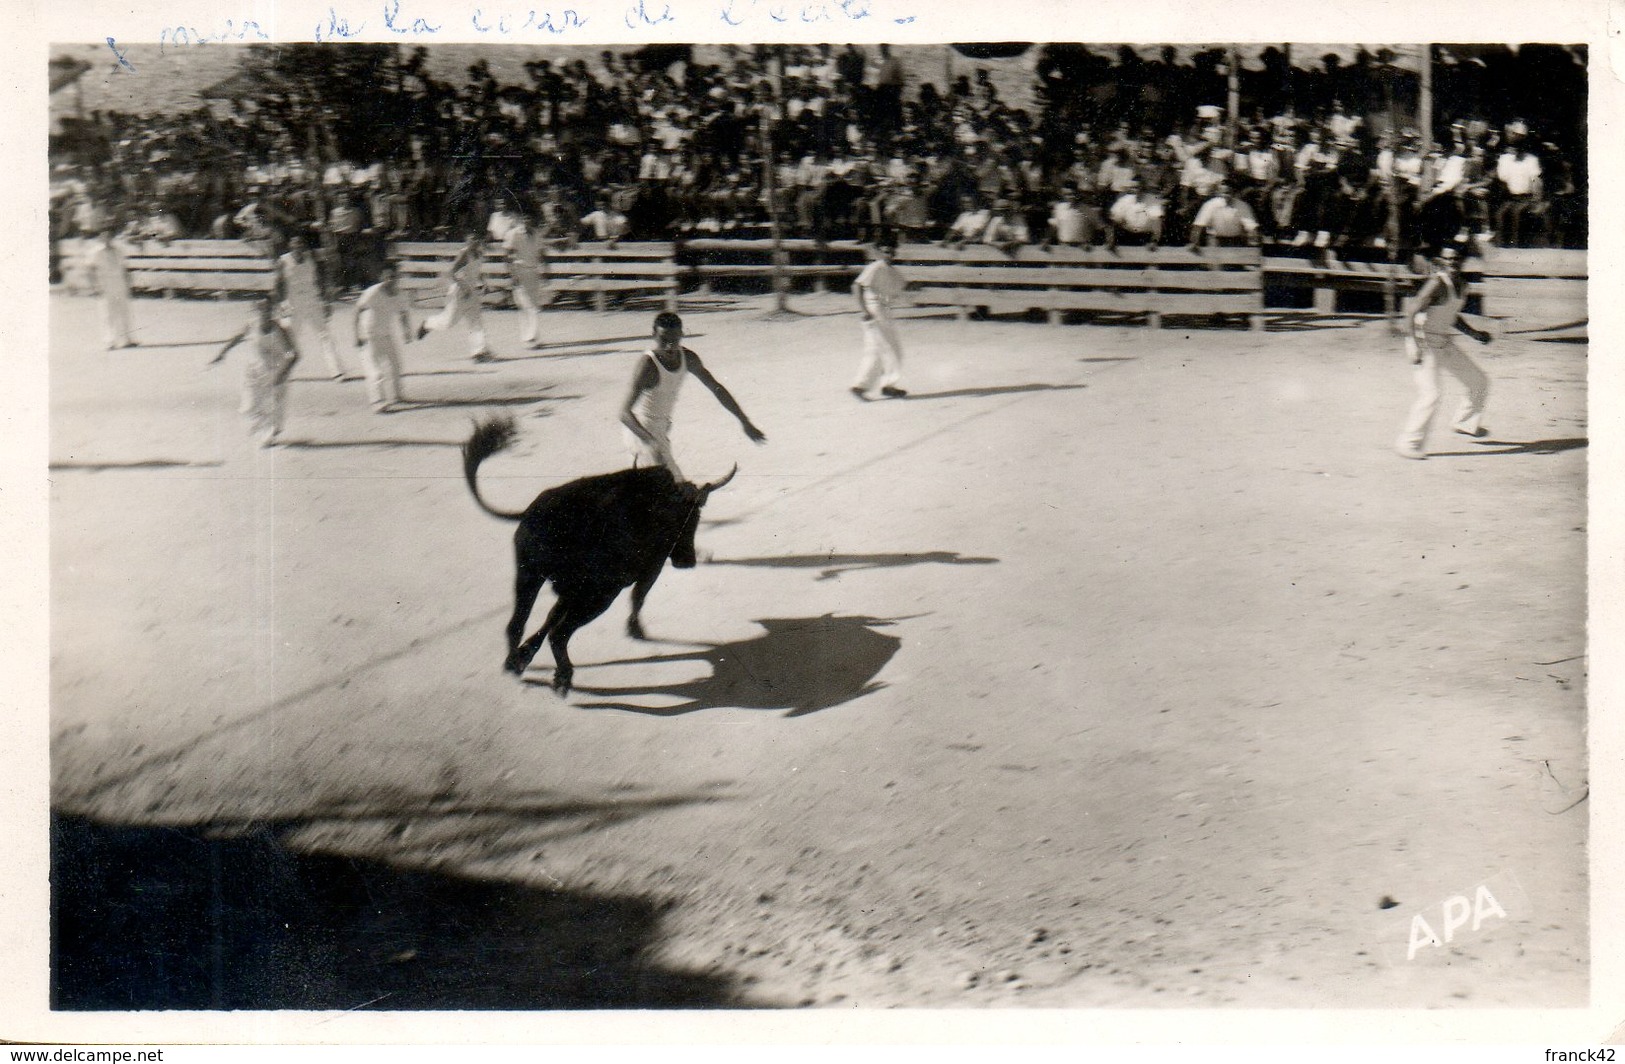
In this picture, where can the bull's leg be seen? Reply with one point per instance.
(527, 585)
(640, 591)
(520, 656)
(582, 610)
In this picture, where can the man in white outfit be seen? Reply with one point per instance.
(113, 278)
(878, 287)
(527, 268)
(306, 311)
(381, 330)
(646, 414)
(1435, 315)
(464, 293)
(265, 373)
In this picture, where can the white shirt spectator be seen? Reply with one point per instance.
(1520, 176)
(1197, 177)
(1261, 165)
(811, 173)
(501, 221)
(1451, 173)
(1343, 125)
(970, 225)
(1408, 166)
(654, 166)
(1225, 218)
(606, 223)
(1068, 221)
(1134, 214)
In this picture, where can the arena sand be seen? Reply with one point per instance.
(1114, 667)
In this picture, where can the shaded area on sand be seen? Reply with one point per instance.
(189, 918)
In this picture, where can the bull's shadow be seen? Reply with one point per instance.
(200, 917)
(799, 664)
(833, 565)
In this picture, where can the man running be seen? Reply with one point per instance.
(527, 267)
(306, 309)
(265, 375)
(381, 330)
(464, 292)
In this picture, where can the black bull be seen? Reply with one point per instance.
(591, 538)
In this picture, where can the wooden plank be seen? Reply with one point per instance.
(1127, 256)
(1096, 300)
(652, 250)
(1068, 277)
(145, 262)
(1536, 299)
(1536, 262)
(1026, 275)
(590, 284)
(1008, 301)
(608, 269)
(157, 281)
(1537, 288)
(757, 269)
(766, 246)
(1205, 303)
(220, 249)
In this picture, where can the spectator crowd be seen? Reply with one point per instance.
(354, 146)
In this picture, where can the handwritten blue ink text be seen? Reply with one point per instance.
(123, 62)
(396, 24)
(191, 36)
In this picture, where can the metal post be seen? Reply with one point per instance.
(770, 183)
(1389, 309)
(1233, 101)
(1424, 116)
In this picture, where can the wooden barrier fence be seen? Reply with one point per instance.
(1546, 285)
(595, 271)
(1132, 281)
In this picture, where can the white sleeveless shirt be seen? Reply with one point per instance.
(1440, 321)
(655, 405)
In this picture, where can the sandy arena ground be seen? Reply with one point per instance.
(1114, 667)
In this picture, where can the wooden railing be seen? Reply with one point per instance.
(1547, 284)
(1133, 281)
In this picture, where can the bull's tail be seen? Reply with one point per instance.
(489, 436)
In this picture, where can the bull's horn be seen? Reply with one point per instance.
(709, 488)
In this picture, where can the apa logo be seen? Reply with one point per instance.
(1457, 910)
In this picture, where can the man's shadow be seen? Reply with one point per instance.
(833, 565)
(993, 391)
(799, 664)
(1487, 448)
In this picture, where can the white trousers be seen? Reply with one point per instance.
(462, 306)
(116, 319)
(309, 327)
(643, 455)
(382, 364)
(264, 401)
(882, 364)
(530, 297)
(1443, 354)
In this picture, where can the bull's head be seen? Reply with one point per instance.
(682, 552)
